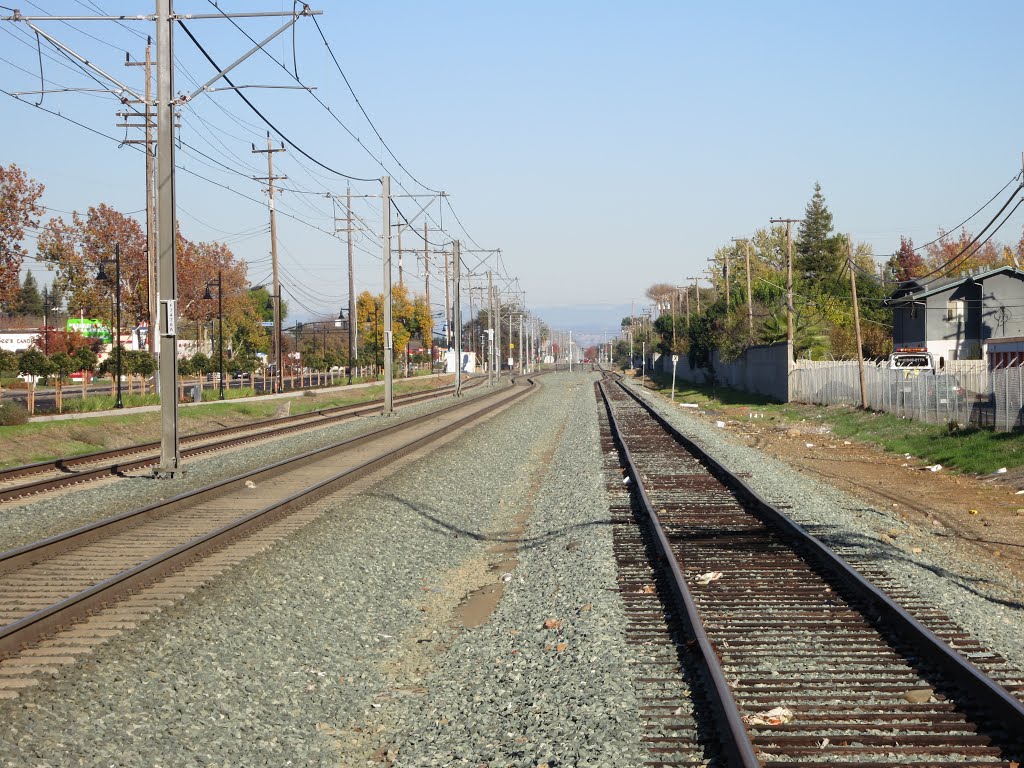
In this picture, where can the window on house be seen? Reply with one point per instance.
(954, 311)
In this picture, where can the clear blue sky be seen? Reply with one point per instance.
(603, 146)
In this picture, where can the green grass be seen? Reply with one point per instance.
(973, 450)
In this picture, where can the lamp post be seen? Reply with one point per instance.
(220, 324)
(102, 276)
(343, 324)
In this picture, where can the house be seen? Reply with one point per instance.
(954, 318)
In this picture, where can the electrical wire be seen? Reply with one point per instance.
(361, 109)
(262, 117)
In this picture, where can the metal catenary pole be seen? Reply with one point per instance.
(457, 316)
(490, 328)
(170, 455)
(389, 406)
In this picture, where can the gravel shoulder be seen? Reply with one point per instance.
(982, 594)
(344, 644)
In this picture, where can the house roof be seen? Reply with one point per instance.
(911, 291)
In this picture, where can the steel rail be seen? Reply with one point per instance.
(948, 661)
(258, 430)
(41, 623)
(733, 736)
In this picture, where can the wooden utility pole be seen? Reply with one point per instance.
(856, 322)
(353, 342)
(270, 178)
(750, 306)
(447, 302)
(400, 279)
(726, 275)
(789, 275)
(150, 147)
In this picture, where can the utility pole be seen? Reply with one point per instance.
(353, 344)
(789, 277)
(270, 178)
(522, 362)
(497, 336)
(750, 306)
(457, 317)
(447, 303)
(856, 323)
(726, 274)
(401, 283)
(696, 291)
(166, 257)
(149, 144)
(389, 405)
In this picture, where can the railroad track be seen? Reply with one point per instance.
(52, 583)
(799, 659)
(31, 479)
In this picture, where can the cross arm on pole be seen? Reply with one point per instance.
(286, 26)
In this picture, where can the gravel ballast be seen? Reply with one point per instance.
(977, 595)
(55, 513)
(341, 645)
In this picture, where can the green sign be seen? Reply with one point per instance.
(92, 329)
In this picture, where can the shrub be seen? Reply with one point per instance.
(12, 414)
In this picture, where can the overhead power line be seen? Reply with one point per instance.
(261, 116)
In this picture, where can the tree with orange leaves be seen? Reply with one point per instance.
(76, 250)
(19, 208)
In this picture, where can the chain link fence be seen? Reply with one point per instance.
(1008, 397)
(937, 397)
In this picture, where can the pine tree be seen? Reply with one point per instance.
(29, 300)
(819, 254)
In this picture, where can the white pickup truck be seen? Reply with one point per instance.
(918, 360)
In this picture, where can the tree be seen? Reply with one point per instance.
(906, 264)
(29, 301)
(86, 359)
(661, 294)
(33, 363)
(818, 254)
(76, 250)
(8, 363)
(19, 209)
(62, 365)
(140, 363)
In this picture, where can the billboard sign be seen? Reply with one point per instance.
(91, 329)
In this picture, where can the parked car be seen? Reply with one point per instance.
(945, 389)
(240, 374)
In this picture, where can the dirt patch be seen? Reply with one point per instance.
(984, 514)
(476, 609)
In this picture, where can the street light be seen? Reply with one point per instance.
(220, 324)
(342, 324)
(102, 276)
